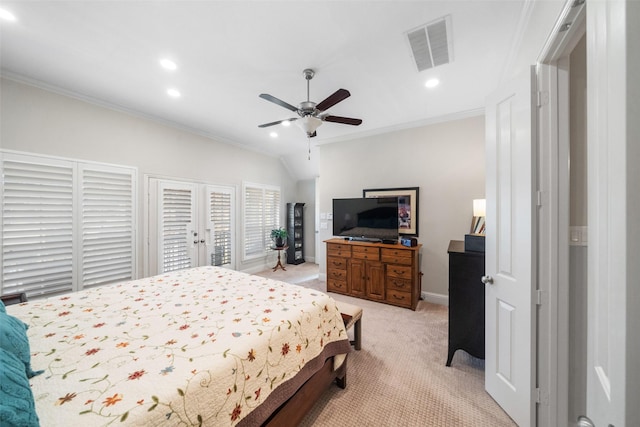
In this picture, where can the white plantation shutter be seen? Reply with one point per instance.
(220, 225)
(271, 214)
(108, 223)
(176, 226)
(65, 224)
(261, 215)
(37, 227)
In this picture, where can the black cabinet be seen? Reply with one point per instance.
(466, 301)
(295, 233)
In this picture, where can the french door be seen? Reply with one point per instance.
(190, 224)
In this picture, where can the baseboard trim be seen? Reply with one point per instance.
(439, 299)
(256, 269)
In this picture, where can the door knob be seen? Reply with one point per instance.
(487, 279)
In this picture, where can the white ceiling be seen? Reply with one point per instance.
(228, 52)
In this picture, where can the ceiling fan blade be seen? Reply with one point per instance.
(339, 95)
(343, 120)
(278, 101)
(277, 123)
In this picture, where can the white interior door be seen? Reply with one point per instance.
(510, 329)
(608, 334)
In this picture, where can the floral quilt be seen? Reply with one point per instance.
(203, 346)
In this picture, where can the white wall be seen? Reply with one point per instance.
(39, 121)
(445, 160)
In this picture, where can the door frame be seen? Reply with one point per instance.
(553, 216)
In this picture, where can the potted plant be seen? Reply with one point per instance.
(279, 236)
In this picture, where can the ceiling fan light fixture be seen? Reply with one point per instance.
(309, 124)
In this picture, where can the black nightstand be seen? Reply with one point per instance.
(466, 301)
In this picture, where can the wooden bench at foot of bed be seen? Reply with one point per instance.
(294, 410)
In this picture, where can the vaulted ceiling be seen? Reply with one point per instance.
(228, 52)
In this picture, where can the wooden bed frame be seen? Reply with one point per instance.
(295, 409)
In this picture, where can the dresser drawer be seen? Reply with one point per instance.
(336, 274)
(396, 297)
(399, 284)
(400, 271)
(335, 263)
(365, 252)
(393, 259)
(338, 250)
(338, 286)
(397, 253)
(397, 256)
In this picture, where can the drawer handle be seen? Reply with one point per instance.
(398, 272)
(398, 298)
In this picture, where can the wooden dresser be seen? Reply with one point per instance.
(374, 271)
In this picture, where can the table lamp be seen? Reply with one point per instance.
(474, 241)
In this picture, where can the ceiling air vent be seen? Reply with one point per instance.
(431, 44)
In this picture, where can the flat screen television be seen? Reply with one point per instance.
(368, 219)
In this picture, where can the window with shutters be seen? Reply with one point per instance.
(220, 217)
(66, 225)
(176, 227)
(261, 215)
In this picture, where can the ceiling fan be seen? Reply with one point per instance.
(311, 114)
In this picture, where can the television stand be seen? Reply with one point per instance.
(374, 271)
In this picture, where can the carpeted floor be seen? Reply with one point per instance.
(399, 378)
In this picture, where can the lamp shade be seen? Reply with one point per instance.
(309, 124)
(479, 207)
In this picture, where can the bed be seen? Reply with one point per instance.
(204, 346)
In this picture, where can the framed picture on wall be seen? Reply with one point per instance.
(407, 206)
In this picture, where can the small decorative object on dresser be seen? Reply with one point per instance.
(388, 273)
(466, 301)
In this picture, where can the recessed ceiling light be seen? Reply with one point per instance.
(174, 93)
(6, 15)
(168, 64)
(273, 135)
(286, 123)
(431, 83)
